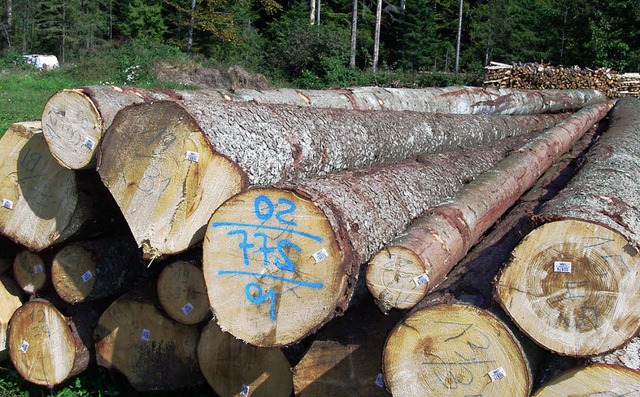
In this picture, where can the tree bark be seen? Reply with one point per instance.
(93, 269)
(354, 34)
(182, 293)
(40, 200)
(234, 368)
(152, 351)
(434, 243)
(454, 347)
(581, 265)
(593, 380)
(30, 272)
(45, 347)
(376, 36)
(10, 301)
(323, 228)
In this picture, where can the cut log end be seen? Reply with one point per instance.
(183, 293)
(397, 279)
(9, 302)
(165, 176)
(73, 272)
(72, 126)
(234, 368)
(570, 282)
(29, 271)
(454, 347)
(41, 345)
(593, 380)
(273, 267)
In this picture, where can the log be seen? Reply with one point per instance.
(8, 252)
(93, 269)
(10, 301)
(454, 349)
(30, 272)
(421, 257)
(279, 262)
(234, 368)
(40, 204)
(151, 350)
(44, 345)
(344, 357)
(183, 293)
(593, 380)
(580, 265)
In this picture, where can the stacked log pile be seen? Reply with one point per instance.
(539, 76)
(292, 202)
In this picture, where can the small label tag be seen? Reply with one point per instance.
(497, 374)
(186, 309)
(244, 391)
(146, 334)
(24, 346)
(380, 380)
(562, 267)
(87, 276)
(421, 279)
(8, 204)
(38, 269)
(321, 255)
(192, 156)
(89, 143)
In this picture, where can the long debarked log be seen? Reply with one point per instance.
(454, 349)
(572, 283)
(74, 121)
(157, 159)
(593, 380)
(280, 262)
(434, 243)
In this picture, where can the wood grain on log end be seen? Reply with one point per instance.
(38, 196)
(456, 350)
(396, 278)
(273, 267)
(10, 301)
(183, 293)
(593, 380)
(234, 368)
(151, 350)
(72, 126)
(29, 271)
(73, 271)
(164, 175)
(572, 286)
(42, 346)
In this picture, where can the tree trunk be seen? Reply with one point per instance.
(376, 37)
(312, 12)
(434, 243)
(459, 39)
(152, 351)
(10, 301)
(593, 380)
(337, 221)
(45, 346)
(93, 269)
(457, 347)
(40, 201)
(581, 265)
(354, 34)
(182, 293)
(343, 359)
(30, 272)
(234, 368)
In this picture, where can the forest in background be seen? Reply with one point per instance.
(278, 38)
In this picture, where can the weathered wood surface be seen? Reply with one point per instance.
(234, 368)
(280, 262)
(586, 281)
(10, 301)
(44, 345)
(454, 349)
(30, 272)
(148, 157)
(435, 242)
(40, 203)
(151, 350)
(593, 380)
(183, 293)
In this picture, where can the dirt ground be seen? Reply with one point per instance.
(235, 77)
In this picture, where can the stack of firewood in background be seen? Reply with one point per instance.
(135, 215)
(539, 76)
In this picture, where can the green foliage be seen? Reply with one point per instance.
(143, 21)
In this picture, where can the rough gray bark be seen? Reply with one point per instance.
(354, 33)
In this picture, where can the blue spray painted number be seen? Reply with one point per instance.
(261, 297)
(264, 209)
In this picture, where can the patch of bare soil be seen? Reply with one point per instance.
(202, 77)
